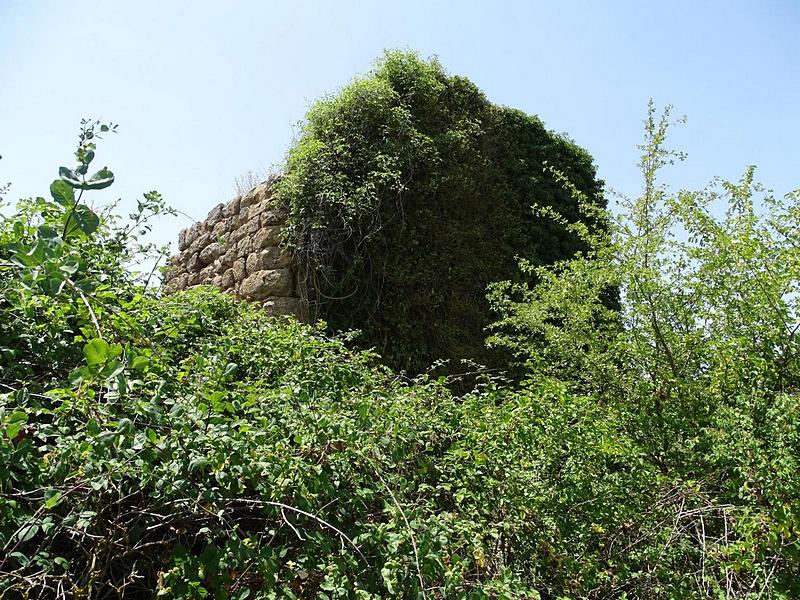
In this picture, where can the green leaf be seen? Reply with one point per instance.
(70, 177)
(197, 463)
(82, 218)
(112, 369)
(27, 533)
(61, 191)
(151, 436)
(20, 558)
(46, 232)
(139, 362)
(18, 416)
(96, 351)
(53, 500)
(125, 426)
(13, 430)
(230, 369)
(69, 267)
(100, 180)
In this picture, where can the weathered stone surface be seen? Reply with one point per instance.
(274, 215)
(253, 263)
(207, 274)
(222, 227)
(194, 279)
(228, 279)
(257, 209)
(211, 253)
(214, 216)
(232, 208)
(177, 283)
(250, 198)
(193, 263)
(284, 306)
(251, 228)
(271, 257)
(244, 247)
(238, 249)
(243, 217)
(190, 235)
(182, 245)
(267, 236)
(230, 255)
(202, 240)
(239, 269)
(262, 284)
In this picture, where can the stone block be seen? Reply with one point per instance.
(193, 263)
(228, 280)
(251, 228)
(214, 216)
(190, 235)
(195, 278)
(232, 208)
(222, 227)
(267, 236)
(285, 306)
(230, 255)
(202, 240)
(182, 245)
(177, 283)
(207, 274)
(272, 282)
(244, 247)
(271, 257)
(239, 270)
(250, 197)
(210, 253)
(274, 215)
(243, 217)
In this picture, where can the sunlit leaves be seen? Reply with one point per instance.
(62, 193)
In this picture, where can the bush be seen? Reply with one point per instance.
(188, 447)
(702, 365)
(409, 192)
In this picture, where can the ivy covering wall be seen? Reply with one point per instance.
(408, 193)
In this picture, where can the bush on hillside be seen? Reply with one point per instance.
(410, 192)
(189, 447)
(702, 363)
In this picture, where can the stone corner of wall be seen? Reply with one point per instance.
(238, 249)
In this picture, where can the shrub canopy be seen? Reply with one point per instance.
(410, 192)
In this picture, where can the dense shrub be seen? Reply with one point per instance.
(702, 363)
(409, 193)
(189, 447)
(249, 456)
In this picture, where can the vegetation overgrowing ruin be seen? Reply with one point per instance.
(403, 198)
(637, 434)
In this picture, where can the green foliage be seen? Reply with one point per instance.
(189, 447)
(701, 364)
(251, 456)
(409, 192)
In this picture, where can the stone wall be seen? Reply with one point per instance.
(238, 249)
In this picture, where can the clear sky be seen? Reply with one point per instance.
(204, 91)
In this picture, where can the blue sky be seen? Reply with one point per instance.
(205, 91)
